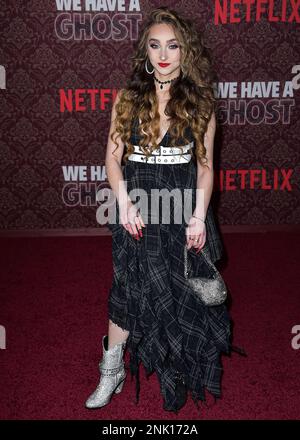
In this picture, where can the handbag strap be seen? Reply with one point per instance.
(205, 255)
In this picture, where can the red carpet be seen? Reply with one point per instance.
(54, 308)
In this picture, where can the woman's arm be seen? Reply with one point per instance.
(113, 162)
(205, 176)
(128, 212)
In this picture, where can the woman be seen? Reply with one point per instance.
(165, 117)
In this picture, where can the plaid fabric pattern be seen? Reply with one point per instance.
(171, 332)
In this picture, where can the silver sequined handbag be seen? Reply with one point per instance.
(211, 291)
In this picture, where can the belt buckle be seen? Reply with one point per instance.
(154, 156)
(158, 152)
(151, 159)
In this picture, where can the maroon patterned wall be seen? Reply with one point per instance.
(60, 70)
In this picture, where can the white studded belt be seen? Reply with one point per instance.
(163, 155)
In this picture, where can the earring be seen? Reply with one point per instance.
(146, 67)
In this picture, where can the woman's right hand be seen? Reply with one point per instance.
(131, 220)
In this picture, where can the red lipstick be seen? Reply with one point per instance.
(163, 64)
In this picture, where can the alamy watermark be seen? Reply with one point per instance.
(159, 200)
(2, 77)
(295, 342)
(2, 337)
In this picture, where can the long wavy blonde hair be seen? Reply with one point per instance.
(191, 102)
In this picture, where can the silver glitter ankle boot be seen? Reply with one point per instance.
(113, 374)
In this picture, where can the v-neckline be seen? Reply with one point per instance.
(164, 136)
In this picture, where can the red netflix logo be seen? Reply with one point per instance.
(82, 100)
(233, 180)
(236, 11)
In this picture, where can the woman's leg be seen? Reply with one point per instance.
(116, 334)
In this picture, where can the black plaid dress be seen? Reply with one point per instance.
(171, 332)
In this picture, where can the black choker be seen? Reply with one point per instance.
(164, 82)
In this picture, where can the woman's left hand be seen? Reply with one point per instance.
(196, 234)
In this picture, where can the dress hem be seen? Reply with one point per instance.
(134, 368)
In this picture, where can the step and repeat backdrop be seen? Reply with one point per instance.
(61, 65)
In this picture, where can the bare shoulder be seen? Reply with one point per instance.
(118, 96)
